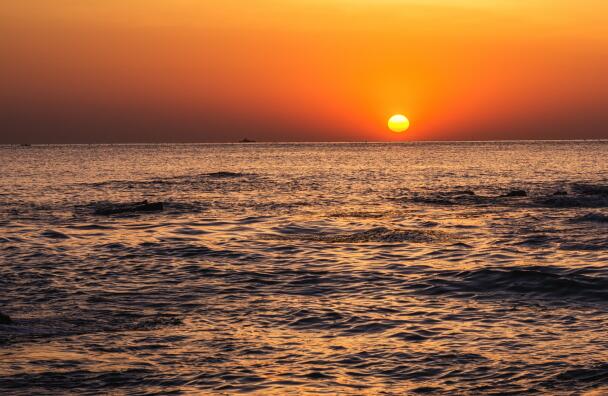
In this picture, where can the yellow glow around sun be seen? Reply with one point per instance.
(398, 123)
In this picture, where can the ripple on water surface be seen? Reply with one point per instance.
(305, 269)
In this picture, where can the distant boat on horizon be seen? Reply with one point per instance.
(246, 141)
(25, 145)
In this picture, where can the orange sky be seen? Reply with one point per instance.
(301, 70)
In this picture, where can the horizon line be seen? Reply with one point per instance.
(303, 142)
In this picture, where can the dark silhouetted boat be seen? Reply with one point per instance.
(246, 141)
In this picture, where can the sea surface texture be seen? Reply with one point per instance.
(288, 269)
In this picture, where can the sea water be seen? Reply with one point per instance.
(437, 268)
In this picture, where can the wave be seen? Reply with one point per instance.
(584, 201)
(590, 377)
(109, 208)
(52, 234)
(590, 188)
(573, 195)
(134, 209)
(346, 324)
(378, 234)
(72, 380)
(358, 214)
(540, 282)
(173, 180)
(22, 330)
(225, 175)
(591, 217)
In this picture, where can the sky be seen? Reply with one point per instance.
(106, 71)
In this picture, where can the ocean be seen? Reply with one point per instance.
(305, 269)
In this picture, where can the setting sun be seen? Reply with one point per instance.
(398, 123)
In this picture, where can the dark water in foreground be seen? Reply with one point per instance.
(373, 269)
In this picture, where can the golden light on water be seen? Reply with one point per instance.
(398, 123)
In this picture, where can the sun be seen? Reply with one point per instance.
(398, 123)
